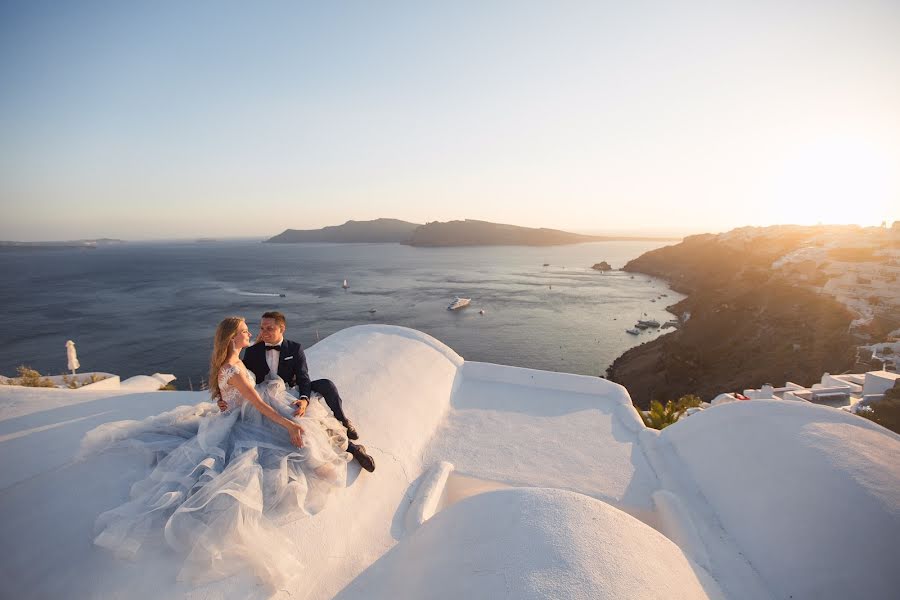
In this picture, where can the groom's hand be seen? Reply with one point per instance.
(301, 405)
(222, 405)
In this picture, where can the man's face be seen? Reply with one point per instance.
(270, 331)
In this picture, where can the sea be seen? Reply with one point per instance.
(141, 308)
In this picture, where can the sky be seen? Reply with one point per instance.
(154, 120)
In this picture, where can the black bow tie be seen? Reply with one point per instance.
(273, 348)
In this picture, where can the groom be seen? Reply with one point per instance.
(274, 354)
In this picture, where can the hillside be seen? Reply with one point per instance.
(377, 231)
(749, 319)
(79, 244)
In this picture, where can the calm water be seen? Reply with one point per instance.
(142, 308)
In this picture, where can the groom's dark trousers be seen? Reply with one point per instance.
(293, 370)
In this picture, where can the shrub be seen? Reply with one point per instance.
(885, 412)
(169, 387)
(894, 392)
(31, 378)
(660, 417)
(73, 383)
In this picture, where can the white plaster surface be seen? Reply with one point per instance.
(762, 500)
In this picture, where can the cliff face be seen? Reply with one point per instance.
(745, 324)
(377, 231)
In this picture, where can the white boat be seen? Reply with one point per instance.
(459, 303)
(345, 285)
(633, 331)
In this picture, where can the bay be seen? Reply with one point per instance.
(140, 308)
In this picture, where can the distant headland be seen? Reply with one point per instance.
(469, 232)
(84, 244)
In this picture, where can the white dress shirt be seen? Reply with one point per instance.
(273, 356)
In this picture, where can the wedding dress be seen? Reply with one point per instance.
(224, 482)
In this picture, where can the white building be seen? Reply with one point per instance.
(838, 391)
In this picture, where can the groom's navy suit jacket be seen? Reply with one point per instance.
(291, 365)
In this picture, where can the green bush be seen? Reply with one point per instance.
(169, 387)
(660, 417)
(31, 378)
(885, 412)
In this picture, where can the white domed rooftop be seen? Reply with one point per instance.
(533, 543)
(810, 494)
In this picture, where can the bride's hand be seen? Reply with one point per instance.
(296, 433)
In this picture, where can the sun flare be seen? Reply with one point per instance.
(836, 181)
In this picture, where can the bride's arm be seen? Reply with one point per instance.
(249, 392)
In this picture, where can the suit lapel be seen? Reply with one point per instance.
(283, 355)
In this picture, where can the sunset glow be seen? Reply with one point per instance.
(588, 116)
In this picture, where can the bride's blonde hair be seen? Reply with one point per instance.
(222, 347)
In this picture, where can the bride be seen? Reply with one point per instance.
(224, 482)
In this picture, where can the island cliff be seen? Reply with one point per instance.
(452, 233)
(749, 318)
(379, 231)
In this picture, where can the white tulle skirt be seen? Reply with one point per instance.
(222, 485)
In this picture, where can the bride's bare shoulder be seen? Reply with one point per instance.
(230, 368)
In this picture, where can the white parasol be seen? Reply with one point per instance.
(72, 356)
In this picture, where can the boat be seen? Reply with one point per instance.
(648, 322)
(633, 331)
(459, 303)
(372, 311)
(345, 285)
(481, 312)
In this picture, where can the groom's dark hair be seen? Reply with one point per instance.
(279, 318)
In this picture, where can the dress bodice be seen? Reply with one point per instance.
(230, 394)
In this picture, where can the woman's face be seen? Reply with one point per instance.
(242, 337)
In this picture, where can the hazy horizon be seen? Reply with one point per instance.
(218, 119)
(649, 233)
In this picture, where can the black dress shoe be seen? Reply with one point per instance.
(351, 430)
(364, 460)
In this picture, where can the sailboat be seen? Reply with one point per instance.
(345, 285)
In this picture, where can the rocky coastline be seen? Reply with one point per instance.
(744, 323)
